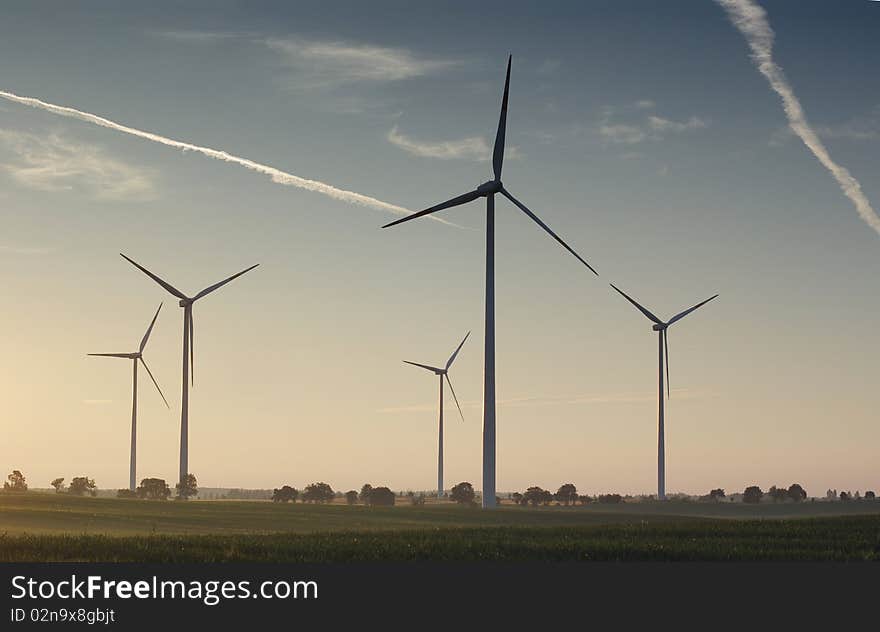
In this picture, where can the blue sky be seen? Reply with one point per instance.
(641, 132)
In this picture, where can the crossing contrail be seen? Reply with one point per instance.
(751, 20)
(278, 176)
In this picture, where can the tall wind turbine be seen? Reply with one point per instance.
(444, 372)
(663, 345)
(488, 191)
(135, 357)
(186, 302)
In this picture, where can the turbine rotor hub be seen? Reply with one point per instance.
(661, 327)
(186, 302)
(490, 187)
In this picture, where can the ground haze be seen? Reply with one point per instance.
(47, 527)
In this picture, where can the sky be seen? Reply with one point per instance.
(643, 133)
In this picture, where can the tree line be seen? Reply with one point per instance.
(150, 488)
(463, 493)
(379, 496)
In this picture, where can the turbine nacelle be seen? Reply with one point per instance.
(186, 302)
(660, 327)
(489, 188)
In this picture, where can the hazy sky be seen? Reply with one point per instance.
(640, 131)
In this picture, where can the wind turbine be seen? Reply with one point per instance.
(444, 372)
(186, 302)
(663, 345)
(135, 357)
(488, 191)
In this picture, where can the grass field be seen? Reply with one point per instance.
(49, 527)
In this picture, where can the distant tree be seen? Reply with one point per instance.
(584, 499)
(797, 493)
(80, 485)
(567, 494)
(844, 496)
(716, 494)
(778, 494)
(285, 494)
(547, 497)
(58, 484)
(351, 497)
(831, 494)
(153, 489)
(188, 488)
(16, 482)
(463, 494)
(318, 493)
(753, 494)
(612, 499)
(381, 497)
(126, 493)
(365, 493)
(516, 497)
(417, 500)
(534, 496)
(869, 495)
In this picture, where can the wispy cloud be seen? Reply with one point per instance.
(622, 134)
(471, 148)
(659, 124)
(198, 37)
(54, 163)
(751, 20)
(325, 63)
(638, 128)
(860, 128)
(339, 61)
(277, 176)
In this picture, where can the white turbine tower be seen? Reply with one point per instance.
(444, 372)
(186, 303)
(488, 191)
(663, 345)
(135, 357)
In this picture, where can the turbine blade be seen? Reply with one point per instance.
(192, 359)
(144, 362)
(455, 353)
(498, 154)
(111, 355)
(639, 307)
(425, 366)
(149, 329)
(173, 290)
(538, 221)
(217, 286)
(666, 349)
(688, 311)
(456, 201)
(448, 381)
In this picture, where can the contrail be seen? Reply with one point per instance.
(278, 176)
(751, 20)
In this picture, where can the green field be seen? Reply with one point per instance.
(49, 527)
